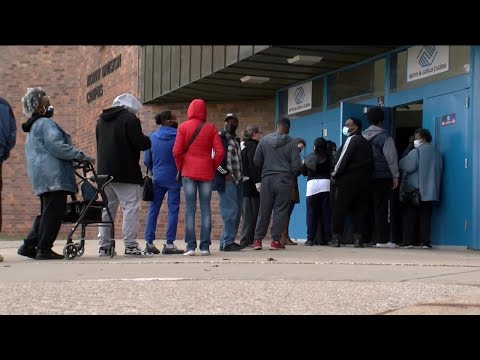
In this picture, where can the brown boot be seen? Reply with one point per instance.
(289, 241)
(285, 240)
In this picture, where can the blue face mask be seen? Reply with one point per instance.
(345, 131)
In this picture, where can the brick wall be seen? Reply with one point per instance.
(62, 72)
(55, 69)
(259, 112)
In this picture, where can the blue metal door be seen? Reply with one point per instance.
(447, 117)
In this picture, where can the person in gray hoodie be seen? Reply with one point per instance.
(385, 175)
(422, 170)
(278, 156)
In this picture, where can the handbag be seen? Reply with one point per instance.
(147, 194)
(178, 177)
(412, 196)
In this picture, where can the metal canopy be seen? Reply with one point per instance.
(225, 85)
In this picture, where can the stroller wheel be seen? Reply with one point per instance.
(70, 251)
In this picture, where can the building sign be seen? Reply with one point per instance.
(447, 120)
(100, 73)
(300, 98)
(425, 61)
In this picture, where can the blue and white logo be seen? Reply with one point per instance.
(427, 55)
(299, 95)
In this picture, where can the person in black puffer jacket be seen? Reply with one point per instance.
(317, 168)
(120, 140)
(251, 187)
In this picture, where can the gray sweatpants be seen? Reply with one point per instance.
(129, 196)
(275, 194)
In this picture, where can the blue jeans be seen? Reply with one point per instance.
(205, 194)
(231, 201)
(154, 209)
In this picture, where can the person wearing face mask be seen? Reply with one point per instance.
(422, 169)
(160, 161)
(49, 153)
(352, 176)
(229, 184)
(120, 139)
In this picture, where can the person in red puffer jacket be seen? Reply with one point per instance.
(197, 167)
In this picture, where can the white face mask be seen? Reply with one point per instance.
(345, 131)
(417, 143)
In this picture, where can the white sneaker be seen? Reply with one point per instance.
(189, 253)
(391, 245)
(380, 245)
(135, 251)
(408, 247)
(205, 252)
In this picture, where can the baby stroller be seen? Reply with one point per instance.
(88, 211)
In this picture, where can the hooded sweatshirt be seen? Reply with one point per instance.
(160, 157)
(384, 153)
(199, 162)
(119, 141)
(277, 154)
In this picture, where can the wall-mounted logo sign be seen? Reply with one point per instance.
(101, 72)
(300, 98)
(425, 61)
(448, 120)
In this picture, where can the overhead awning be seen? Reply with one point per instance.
(213, 73)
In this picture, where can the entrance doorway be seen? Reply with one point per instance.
(406, 119)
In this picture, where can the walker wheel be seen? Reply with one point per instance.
(70, 251)
(112, 249)
(80, 249)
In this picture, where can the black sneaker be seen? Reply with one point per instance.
(151, 249)
(309, 243)
(28, 251)
(233, 247)
(48, 255)
(171, 250)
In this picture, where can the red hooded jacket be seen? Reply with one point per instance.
(197, 163)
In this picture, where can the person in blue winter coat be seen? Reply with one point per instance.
(160, 161)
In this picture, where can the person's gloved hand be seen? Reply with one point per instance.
(257, 185)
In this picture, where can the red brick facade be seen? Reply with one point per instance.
(62, 71)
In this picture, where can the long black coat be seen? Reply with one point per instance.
(250, 169)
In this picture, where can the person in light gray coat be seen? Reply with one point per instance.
(49, 154)
(422, 170)
(278, 156)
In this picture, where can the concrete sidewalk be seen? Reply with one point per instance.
(298, 280)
